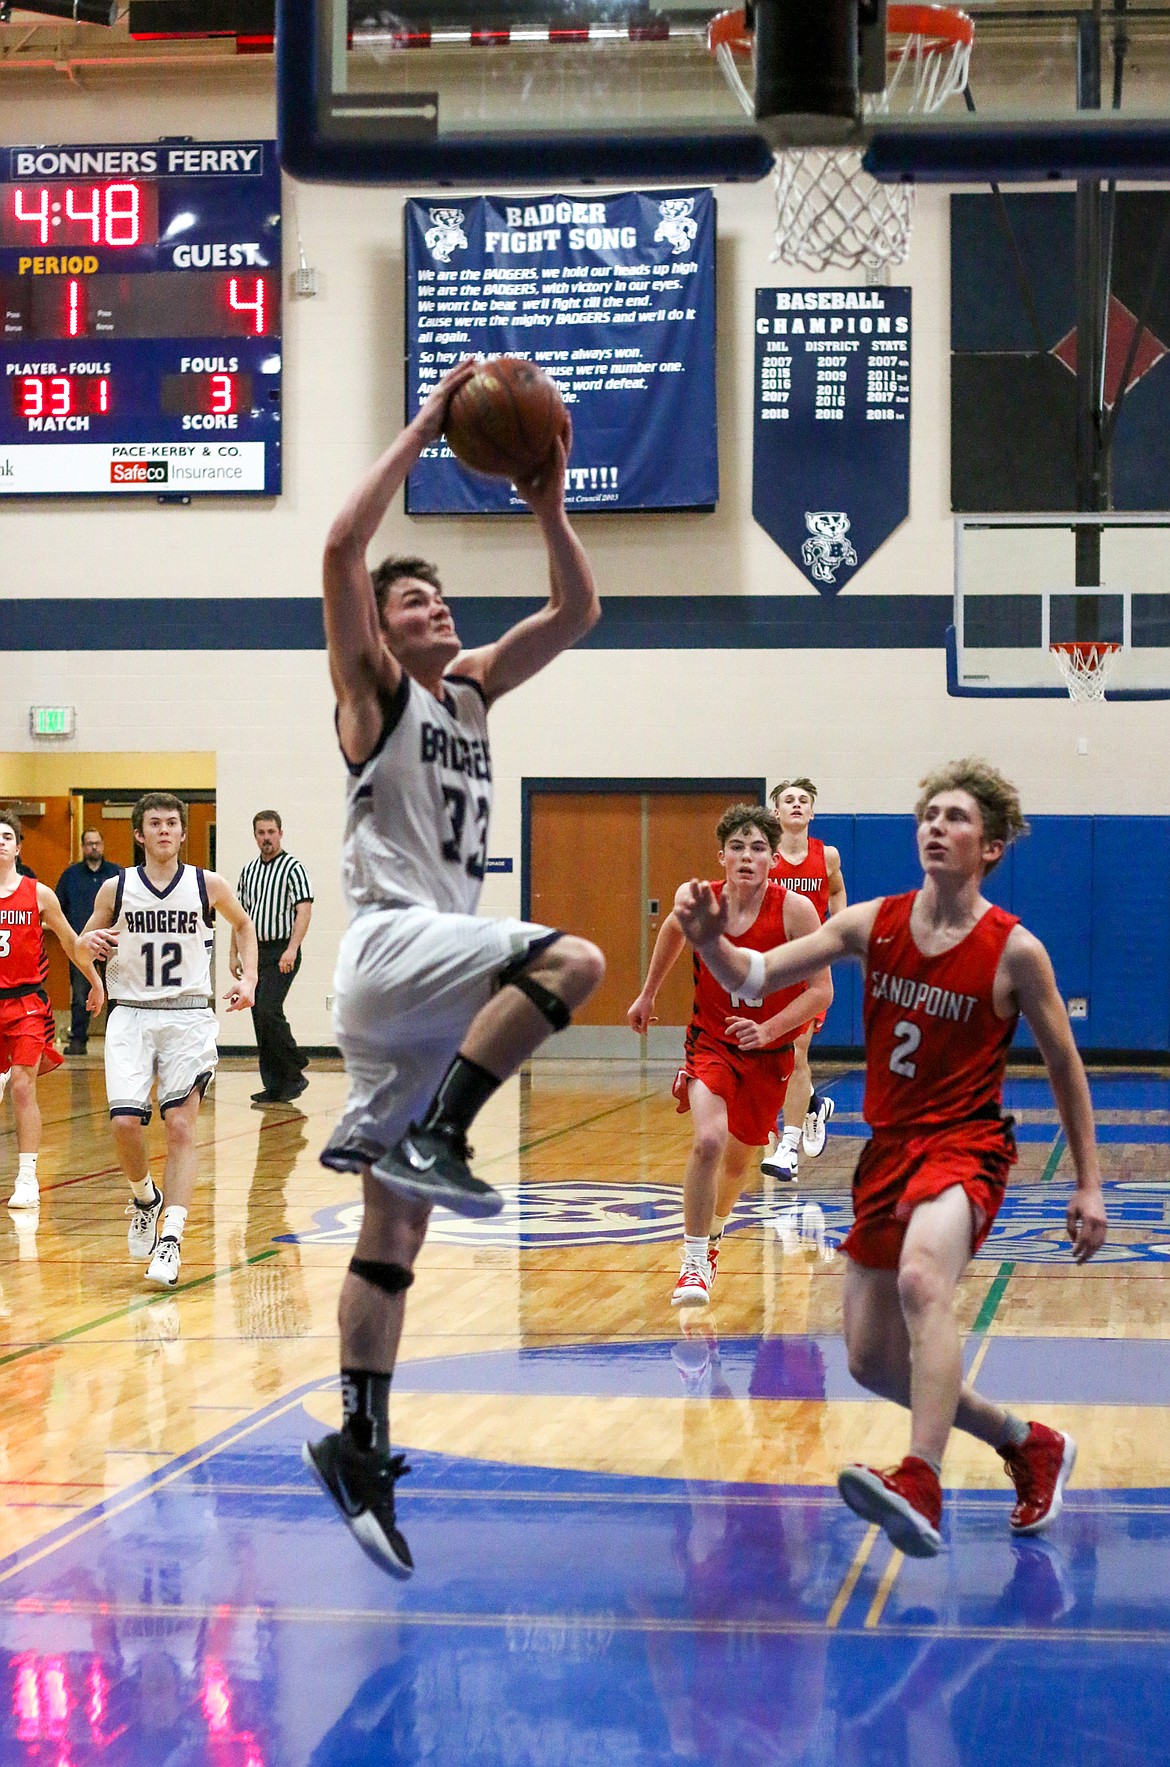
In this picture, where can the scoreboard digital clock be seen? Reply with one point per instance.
(140, 290)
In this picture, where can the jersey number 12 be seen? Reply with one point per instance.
(172, 955)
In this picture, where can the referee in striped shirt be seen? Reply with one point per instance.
(275, 891)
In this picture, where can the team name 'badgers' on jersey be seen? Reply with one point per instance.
(417, 814)
(163, 954)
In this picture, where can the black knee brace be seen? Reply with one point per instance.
(390, 1278)
(548, 1004)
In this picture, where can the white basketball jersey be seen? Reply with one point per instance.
(163, 954)
(417, 815)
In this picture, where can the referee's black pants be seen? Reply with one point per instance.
(281, 1062)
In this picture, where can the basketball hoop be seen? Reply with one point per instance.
(1085, 667)
(830, 213)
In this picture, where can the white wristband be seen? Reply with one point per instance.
(753, 982)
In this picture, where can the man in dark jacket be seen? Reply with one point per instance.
(76, 891)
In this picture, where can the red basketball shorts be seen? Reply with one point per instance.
(26, 1034)
(751, 1083)
(901, 1168)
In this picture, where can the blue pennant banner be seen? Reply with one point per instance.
(831, 460)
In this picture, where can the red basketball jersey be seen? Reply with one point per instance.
(935, 1051)
(810, 877)
(23, 962)
(713, 1004)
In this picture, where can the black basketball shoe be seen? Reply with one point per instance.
(430, 1165)
(361, 1483)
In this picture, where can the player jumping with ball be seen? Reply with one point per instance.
(947, 975)
(435, 1006)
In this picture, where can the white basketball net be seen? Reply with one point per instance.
(1085, 668)
(830, 213)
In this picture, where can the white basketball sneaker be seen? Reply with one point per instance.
(142, 1236)
(693, 1288)
(163, 1269)
(816, 1123)
(26, 1194)
(781, 1163)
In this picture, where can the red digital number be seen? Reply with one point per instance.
(61, 395)
(39, 216)
(123, 214)
(75, 308)
(239, 303)
(222, 394)
(93, 214)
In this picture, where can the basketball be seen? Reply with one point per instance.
(506, 418)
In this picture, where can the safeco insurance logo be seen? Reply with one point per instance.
(138, 472)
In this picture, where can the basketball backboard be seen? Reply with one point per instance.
(444, 91)
(1016, 595)
(564, 91)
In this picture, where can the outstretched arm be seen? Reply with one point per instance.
(360, 662)
(572, 608)
(224, 900)
(800, 920)
(1033, 982)
(668, 948)
(75, 951)
(703, 919)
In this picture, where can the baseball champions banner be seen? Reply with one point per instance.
(614, 297)
(831, 457)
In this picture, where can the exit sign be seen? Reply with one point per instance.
(52, 720)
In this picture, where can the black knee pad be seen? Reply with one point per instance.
(548, 1004)
(390, 1278)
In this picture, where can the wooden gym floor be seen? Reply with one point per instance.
(628, 1543)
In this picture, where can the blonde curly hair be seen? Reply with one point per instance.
(997, 797)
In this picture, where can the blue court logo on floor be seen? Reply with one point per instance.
(1029, 1228)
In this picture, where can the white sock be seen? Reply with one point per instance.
(718, 1223)
(26, 1166)
(144, 1192)
(790, 1138)
(695, 1249)
(1015, 1431)
(173, 1222)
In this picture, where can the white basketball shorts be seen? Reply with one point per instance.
(409, 981)
(141, 1042)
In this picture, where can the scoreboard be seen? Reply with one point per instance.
(140, 289)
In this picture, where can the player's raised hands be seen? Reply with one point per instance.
(699, 912)
(545, 489)
(1086, 1223)
(432, 413)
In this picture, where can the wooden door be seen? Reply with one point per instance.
(585, 876)
(606, 864)
(682, 844)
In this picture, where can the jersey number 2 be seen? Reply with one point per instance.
(910, 1037)
(172, 956)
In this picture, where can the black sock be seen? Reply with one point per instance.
(365, 1409)
(465, 1089)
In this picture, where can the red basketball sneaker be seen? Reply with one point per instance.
(906, 1502)
(712, 1262)
(1039, 1469)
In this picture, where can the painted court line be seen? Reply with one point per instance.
(860, 1557)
